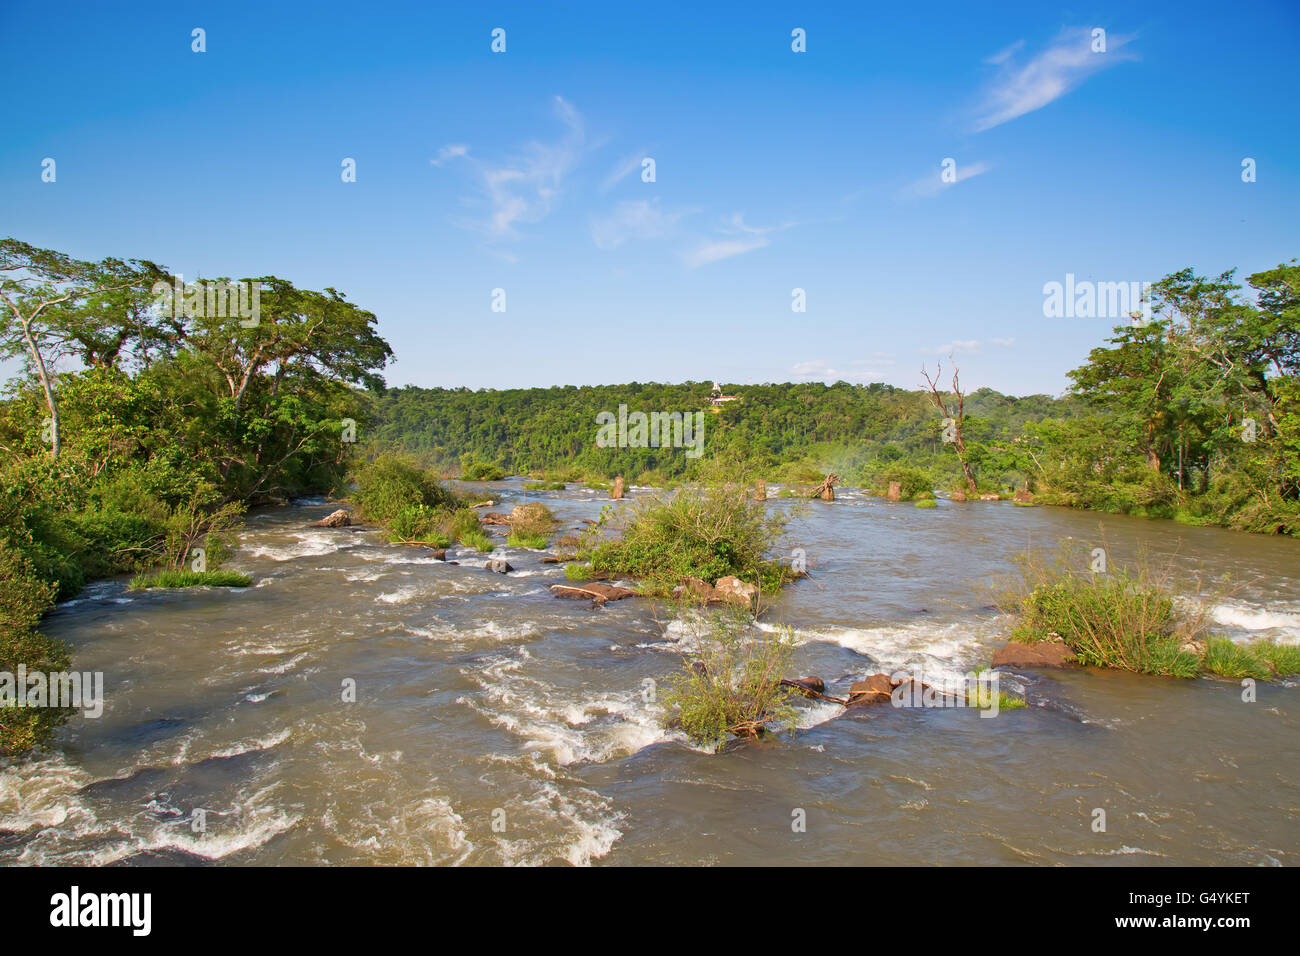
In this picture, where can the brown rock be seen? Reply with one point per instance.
(735, 591)
(495, 517)
(438, 554)
(990, 496)
(702, 591)
(1024, 494)
(559, 558)
(1039, 654)
(957, 496)
(337, 519)
(590, 591)
(895, 491)
(500, 566)
(617, 491)
(875, 689)
(813, 684)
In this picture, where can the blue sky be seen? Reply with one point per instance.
(775, 170)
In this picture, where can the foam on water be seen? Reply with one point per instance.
(1247, 618)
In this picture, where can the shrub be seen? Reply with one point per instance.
(390, 484)
(476, 540)
(532, 519)
(927, 503)
(1122, 619)
(520, 539)
(704, 532)
(474, 470)
(731, 685)
(1230, 659)
(420, 524)
(24, 597)
(577, 572)
(545, 486)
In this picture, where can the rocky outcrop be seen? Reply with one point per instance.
(597, 594)
(735, 591)
(875, 689)
(1037, 655)
(990, 496)
(336, 519)
(495, 517)
(895, 492)
(701, 591)
(957, 496)
(617, 491)
(813, 684)
(438, 554)
(1024, 494)
(559, 558)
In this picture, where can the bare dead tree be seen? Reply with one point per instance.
(957, 441)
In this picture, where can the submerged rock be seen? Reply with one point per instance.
(337, 519)
(500, 566)
(1039, 654)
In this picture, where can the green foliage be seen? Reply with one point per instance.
(473, 470)
(191, 579)
(1227, 658)
(927, 503)
(422, 524)
(576, 571)
(545, 486)
(522, 539)
(1284, 659)
(25, 595)
(705, 532)
(391, 484)
(731, 684)
(477, 540)
(1122, 619)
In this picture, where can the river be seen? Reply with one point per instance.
(496, 724)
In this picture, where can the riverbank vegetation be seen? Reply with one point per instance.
(1132, 619)
(148, 421)
(1193, 415)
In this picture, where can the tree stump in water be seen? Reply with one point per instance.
(826, 492)
(618, 488)
(760, 490)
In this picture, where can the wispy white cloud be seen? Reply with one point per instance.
(866, 370)
(934, 183)
(954, 347)
(622, 169)
(450, 152)
(741, 238)
(524, 188)
(1005, 343)
(633, 219)
(1021, 88)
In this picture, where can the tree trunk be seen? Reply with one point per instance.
(44, 375)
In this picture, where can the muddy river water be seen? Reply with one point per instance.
(496, 724)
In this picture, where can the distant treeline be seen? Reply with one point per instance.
(791, 431)
(1192, 411)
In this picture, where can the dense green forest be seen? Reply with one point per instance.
(174, 413)
(797, 432)
(150, 415)
(1194, 414)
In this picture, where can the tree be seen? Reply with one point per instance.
(958, 441)
(48, 298)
